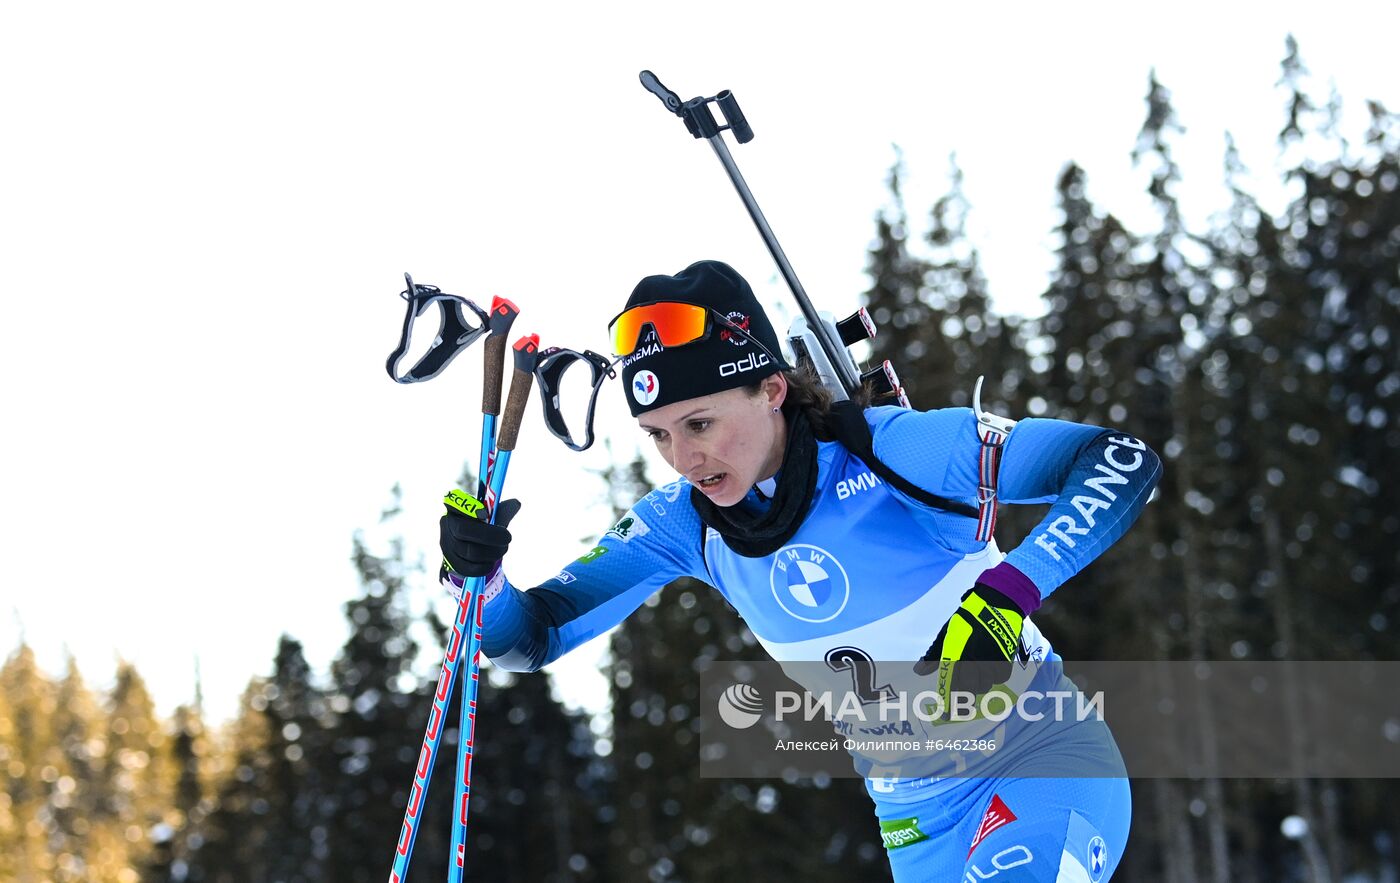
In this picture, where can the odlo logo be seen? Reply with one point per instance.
(747, 363)
(740, 706)
(1011, 857)
(646, 386)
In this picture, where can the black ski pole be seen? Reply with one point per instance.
(701, 123)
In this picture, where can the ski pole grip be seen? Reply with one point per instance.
(526, 350)
(503, 314)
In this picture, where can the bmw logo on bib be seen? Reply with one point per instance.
(1098, 859)
(809, 584)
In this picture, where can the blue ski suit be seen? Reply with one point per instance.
(873, 569)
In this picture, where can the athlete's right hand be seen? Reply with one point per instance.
(471, 545)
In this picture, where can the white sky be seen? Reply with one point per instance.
(206, 211)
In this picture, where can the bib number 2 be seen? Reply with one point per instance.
(862, 669)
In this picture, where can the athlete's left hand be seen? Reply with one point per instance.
(985, 629)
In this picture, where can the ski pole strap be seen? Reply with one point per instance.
(550, 367)
(848, 422)
(988, 464)
(455, 332)
(992, 431)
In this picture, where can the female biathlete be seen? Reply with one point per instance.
(867, 540)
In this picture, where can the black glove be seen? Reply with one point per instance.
(985, 630)
(471, 546)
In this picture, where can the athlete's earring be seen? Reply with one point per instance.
(775, 410)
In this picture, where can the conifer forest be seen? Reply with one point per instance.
(1256, 352)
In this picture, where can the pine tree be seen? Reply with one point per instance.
(901, 315)
(1087, 323)
(12, 845)
(29, 704)
(378, 728)
(233, 840)
(10, 829)
(189, 753)
(139, 777)
(933, 309)
(972, 340)
(296, 823)
(536, 787)
(269, 819)
(73, 799)
(1301, 108)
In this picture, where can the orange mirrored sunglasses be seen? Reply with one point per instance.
(675, 324)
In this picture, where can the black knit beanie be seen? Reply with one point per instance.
(655, 376)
